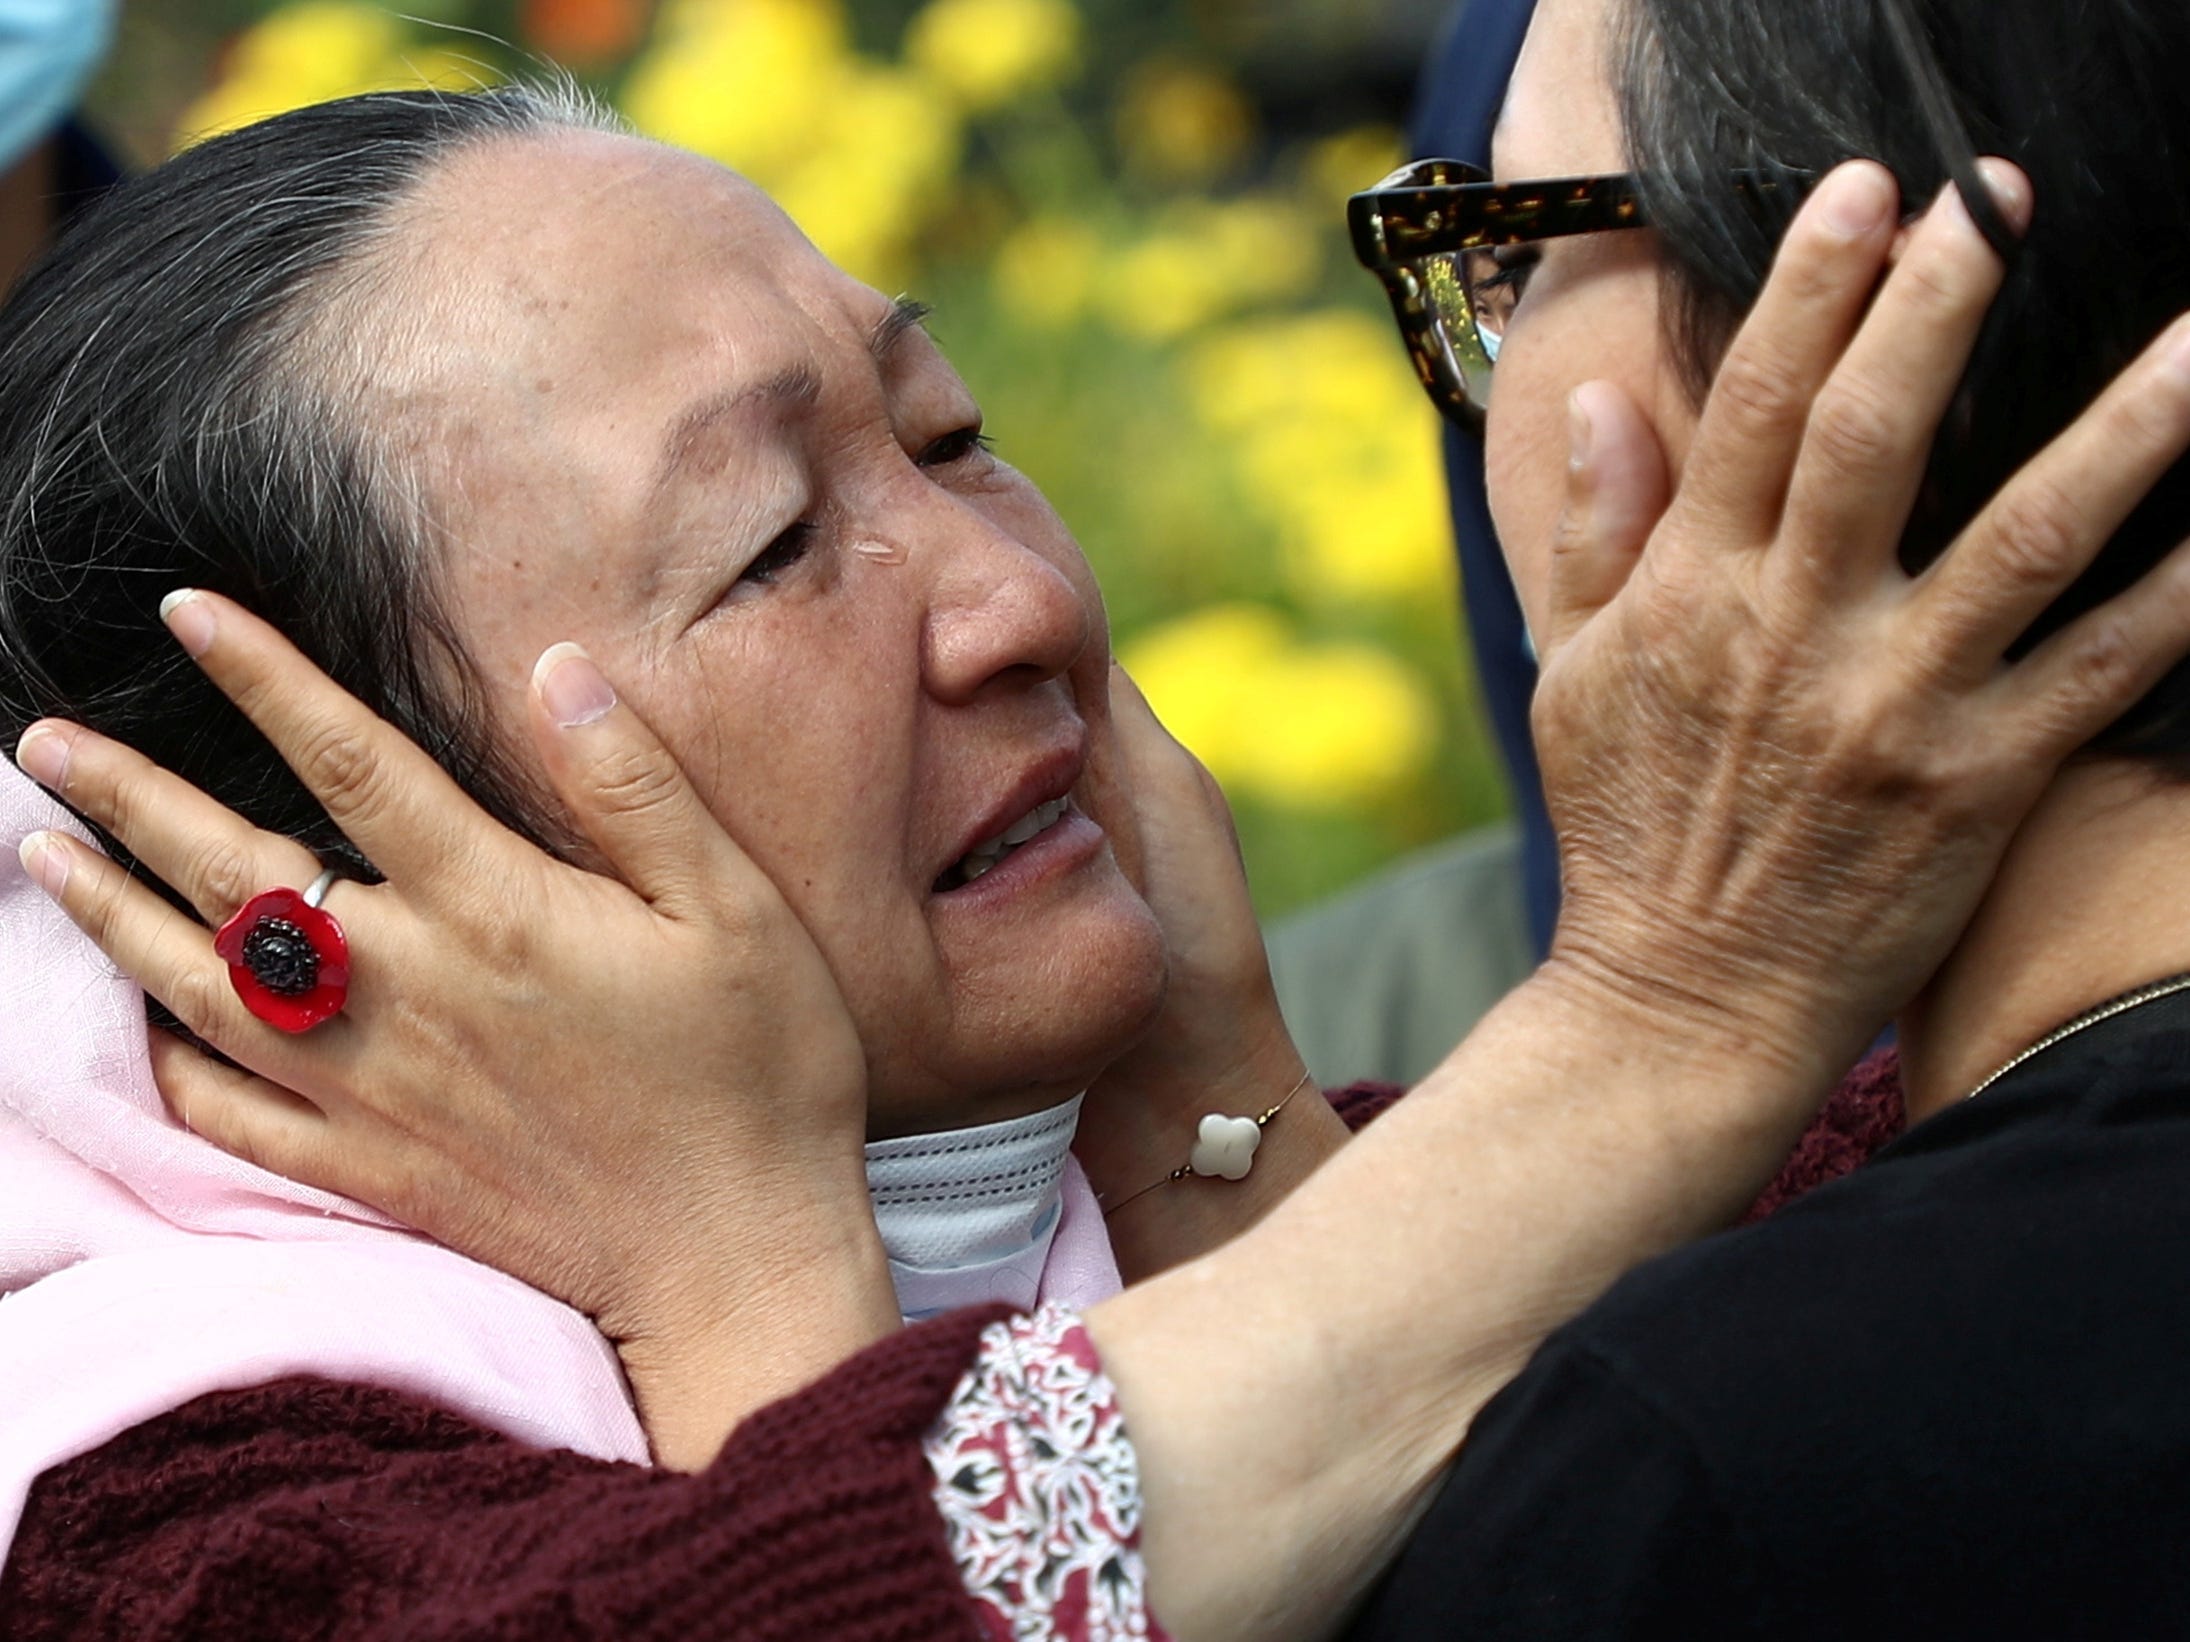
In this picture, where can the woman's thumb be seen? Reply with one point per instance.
(624, 788)
(1617, 490)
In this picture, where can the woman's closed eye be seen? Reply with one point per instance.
(779, 556)
(797, 542)
(958, 445)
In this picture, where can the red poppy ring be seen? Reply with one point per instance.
(287, 957)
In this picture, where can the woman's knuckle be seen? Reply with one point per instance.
(2150, 419)
(244, 1141)
(1759, 385)
(102, 911)
(2104, 664)
(1938, 279)
(200, 999)
(2036, 536)
(634, 782)
(126, 804)
(227, 875)
(253, 695)
(338, 765)
(501, 941)
(1806, 265)
(1852, 429)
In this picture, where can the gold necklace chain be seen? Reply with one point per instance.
(2151, 992)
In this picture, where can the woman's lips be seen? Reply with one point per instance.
(1062, 847)
(982, 858)
(1038, 787)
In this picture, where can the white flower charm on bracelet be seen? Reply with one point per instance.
(1226, 1147)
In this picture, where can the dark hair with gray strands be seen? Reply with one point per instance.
(2087, 97)
(172, 414)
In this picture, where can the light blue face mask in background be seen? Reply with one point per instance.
(48, 50)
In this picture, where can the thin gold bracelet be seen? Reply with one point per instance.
(1219, 1140)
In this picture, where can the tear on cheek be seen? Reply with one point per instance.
(878, 552)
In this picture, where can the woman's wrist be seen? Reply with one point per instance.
(765, 1310)
(1787, 1011)
(1142, 1133)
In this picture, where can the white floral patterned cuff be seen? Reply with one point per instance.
(1039, 1488)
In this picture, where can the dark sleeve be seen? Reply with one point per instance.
(1865, 1115)
(1360, 1104)
(1576, 1513)
(310, 1509)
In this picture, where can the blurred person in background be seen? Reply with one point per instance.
(1380, 981)
(49, 166)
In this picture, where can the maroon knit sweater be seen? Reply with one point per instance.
(309, 1509)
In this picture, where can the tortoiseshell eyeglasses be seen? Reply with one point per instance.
(1440, 233)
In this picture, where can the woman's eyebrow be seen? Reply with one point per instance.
(798, 385)
(904, 317)
(688, 433)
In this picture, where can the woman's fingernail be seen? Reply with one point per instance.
(573, 690)
(1858, 198)
(2178, 344)
(189, 618)
(42, 755)
(2010, 196)
(45, 858)
(1581, 431)
(2010, 190)
(2171, 348)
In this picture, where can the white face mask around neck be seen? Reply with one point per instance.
(967, 1215)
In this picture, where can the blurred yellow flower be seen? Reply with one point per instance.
(1210, 258)
(1267, 249)
(1044, 271)
(856, 151)
(1334, 447)
(873, 171)
(748, 82)
(1162, 287)
(1181, 124)
(1368, 522)
(1312, 727)
(1349, 162)
(1198, 671)
(314, 51)
(1338, 362)
(987, 53)
(1347, 725)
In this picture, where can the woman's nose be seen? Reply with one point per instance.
(999, 612)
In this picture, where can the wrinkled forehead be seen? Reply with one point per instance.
(541, 318)
(591, 265)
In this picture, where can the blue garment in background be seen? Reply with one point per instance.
(84, 170)
(1463, 87)
(48, 50)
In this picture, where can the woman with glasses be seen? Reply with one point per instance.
(1940, 1397)
(650, 415)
